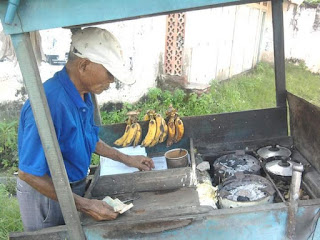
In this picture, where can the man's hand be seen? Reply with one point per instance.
(99, 210)
(141, 162)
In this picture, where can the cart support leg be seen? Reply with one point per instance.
(294, 197)
(97, 115)
(41, 112)
(278, 46)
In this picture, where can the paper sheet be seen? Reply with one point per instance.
(111, 167)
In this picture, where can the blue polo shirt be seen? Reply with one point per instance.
(74, 125)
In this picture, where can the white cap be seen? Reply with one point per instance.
(100, 46)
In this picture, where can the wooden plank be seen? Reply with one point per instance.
(51, 233)
(193, 175)
(258, 38)
(201, 44)
(225, 42)
(278, 46)
(41, 112)
(41, 14)
(141, 181)
(235, 61)
(94, 181)
(252, 23)
(158, 204)
(246, 22)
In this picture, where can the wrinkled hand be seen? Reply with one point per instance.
(99, 210)
(141, 162)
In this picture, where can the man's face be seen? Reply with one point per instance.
(95, 78)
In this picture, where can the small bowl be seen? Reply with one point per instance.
(177, 158)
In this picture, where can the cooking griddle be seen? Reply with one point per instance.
(228, 165)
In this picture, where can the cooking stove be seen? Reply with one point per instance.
(220, 172)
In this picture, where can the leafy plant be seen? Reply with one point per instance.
(10, 186)
(10, 219)
(95, 159)
(8, 144)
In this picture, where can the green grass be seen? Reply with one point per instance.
(303, 83)
(313, 1)
(10, 220)
(252, 90)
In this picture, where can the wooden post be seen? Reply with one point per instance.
(41, 112)
(278, 46)
(97, 115)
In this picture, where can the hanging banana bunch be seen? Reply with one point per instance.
(152, 129)
(138, 136)
(121, 140)
(157, 129)
(149, 114)
(133, 133)
(179, 129)
(171, 131)
(175, 126)
(164, 135)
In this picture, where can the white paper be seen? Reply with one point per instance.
(111, 167)
(160, 163)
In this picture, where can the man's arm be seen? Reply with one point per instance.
(97, 209)
(141, 162)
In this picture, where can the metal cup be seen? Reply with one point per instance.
(177, 158)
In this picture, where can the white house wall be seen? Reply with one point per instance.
(221, 42)
(301, 34)
(143, 46)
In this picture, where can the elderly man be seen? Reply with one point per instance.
(95, 59)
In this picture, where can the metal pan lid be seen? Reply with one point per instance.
(280, 168)
(273, 151)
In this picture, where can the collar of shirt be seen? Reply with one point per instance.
(73, 92)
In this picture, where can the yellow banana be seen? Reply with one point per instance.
(131, 135)
(149, 115)
(146, 117)
(171, 131)
(165, 131)
(179, 129)
(150, 134)
(171, 111)
(138, 136)
(159, 130)
(121, 140)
